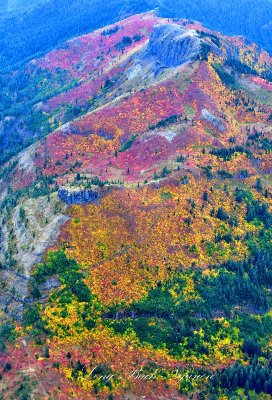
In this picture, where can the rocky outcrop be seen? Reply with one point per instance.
(172, 45)
(216, 122)
(78, 196)
(31, 236)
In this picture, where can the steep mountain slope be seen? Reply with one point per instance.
(38, 29)
(136, 233)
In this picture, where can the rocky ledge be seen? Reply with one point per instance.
(78, 196)
(173, 45)
(215, 121)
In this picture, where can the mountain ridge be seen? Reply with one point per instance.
(19, 44)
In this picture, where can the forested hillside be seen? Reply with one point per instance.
(14, 6)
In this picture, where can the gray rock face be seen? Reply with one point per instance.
(51, 283)
(79, 196)
(216, 122)
(173, 46)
